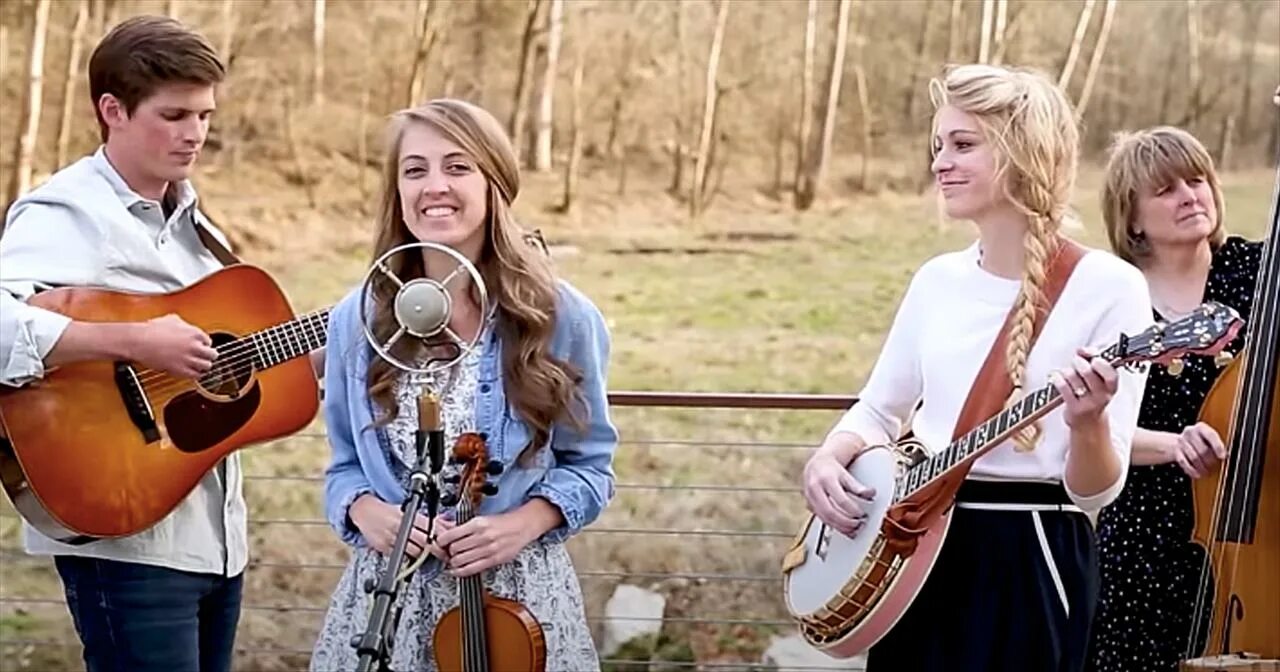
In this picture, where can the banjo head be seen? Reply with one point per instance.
(831, 558)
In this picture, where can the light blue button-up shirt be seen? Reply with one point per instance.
(574, 471)
(86, 227)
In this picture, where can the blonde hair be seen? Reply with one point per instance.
(1032, 128)
(1143, 161)
(518, 276)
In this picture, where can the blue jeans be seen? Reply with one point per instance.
(140, 618)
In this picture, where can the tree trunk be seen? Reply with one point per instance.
(1002, 24)
(1252, 13)
(921, 56)
(4, 71)
(228, 33)
(1193, 60)
(546, 101)
(818, 165)
(803, 133)
(575, 127)
(1224, 141)
(433, 19)
(984, 38)
(317, 52)
(29, 123)
(1073, 53)
(301, 175)
(864, 103)
(520, 105)
(677, 155)
(1170, 80)
(171, 8)
(1100, 47)
(626, 81)
(69, 85)
(708, 110)
(953, 32)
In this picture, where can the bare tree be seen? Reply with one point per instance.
(171, 8)
(546, 100)
(317, 52)
(708, 110)
(999, 32)
(921, 55)
(30, 120)
(812, 182)
(1193, 62)
(575, 127)
(626, 79)
(524, 82)
(984, 37)
(1252, 16)
(864, 103)
(677, 154)
(1100, 47)
(4, 71)
(953, 32)
(433, 20)
(69, 84)
(228, 31)
(806, 93)
(1073, 52)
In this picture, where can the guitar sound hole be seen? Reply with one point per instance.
(232, 371)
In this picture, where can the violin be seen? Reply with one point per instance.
(484, 633)
(1237, 506)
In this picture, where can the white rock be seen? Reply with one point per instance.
(632, 612)
(792, 652)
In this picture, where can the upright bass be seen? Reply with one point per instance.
(1236, 623)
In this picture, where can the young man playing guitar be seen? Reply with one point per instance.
(126, 218)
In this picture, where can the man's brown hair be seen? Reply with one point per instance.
(143, 53)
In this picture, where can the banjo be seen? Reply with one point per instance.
(846, 593)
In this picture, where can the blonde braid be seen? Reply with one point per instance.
(1030, 298)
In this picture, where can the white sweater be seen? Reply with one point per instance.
(942, 333)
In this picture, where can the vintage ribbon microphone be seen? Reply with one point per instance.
(422, 308)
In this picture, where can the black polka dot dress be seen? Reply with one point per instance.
(1150, 569)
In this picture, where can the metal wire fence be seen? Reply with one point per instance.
(700, 520)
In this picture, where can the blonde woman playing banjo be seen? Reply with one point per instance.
(1015, 582)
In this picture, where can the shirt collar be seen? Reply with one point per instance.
(184, 193)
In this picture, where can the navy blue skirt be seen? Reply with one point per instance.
(1014, 589)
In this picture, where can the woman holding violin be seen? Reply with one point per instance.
(1163, 208)
(532, 394)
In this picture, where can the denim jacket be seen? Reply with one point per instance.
(575, 474)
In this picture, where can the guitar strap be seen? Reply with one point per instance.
(913, 516)
(220, 251)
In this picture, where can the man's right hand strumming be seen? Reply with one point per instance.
(168, 344)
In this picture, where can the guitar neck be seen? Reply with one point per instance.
(989, 434)
(286, 341)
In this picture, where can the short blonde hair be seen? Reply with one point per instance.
(1144, 160)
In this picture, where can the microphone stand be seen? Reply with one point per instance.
(375, 644)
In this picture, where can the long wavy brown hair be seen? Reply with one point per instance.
(1034, 130)
(518, 276)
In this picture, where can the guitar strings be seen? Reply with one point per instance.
(304, 325)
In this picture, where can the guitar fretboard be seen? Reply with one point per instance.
(989, 434)
(288, 340)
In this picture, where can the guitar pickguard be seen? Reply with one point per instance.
(196, 422)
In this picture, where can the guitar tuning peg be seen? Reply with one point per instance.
(494, 468)
(449, 500)
(1222, 359)
(1175, 367)
(453, 479)
(489, 489)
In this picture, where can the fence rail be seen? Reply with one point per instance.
(736, 625)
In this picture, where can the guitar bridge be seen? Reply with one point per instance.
(135, 401)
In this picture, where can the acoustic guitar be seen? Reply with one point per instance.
(105, 449)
